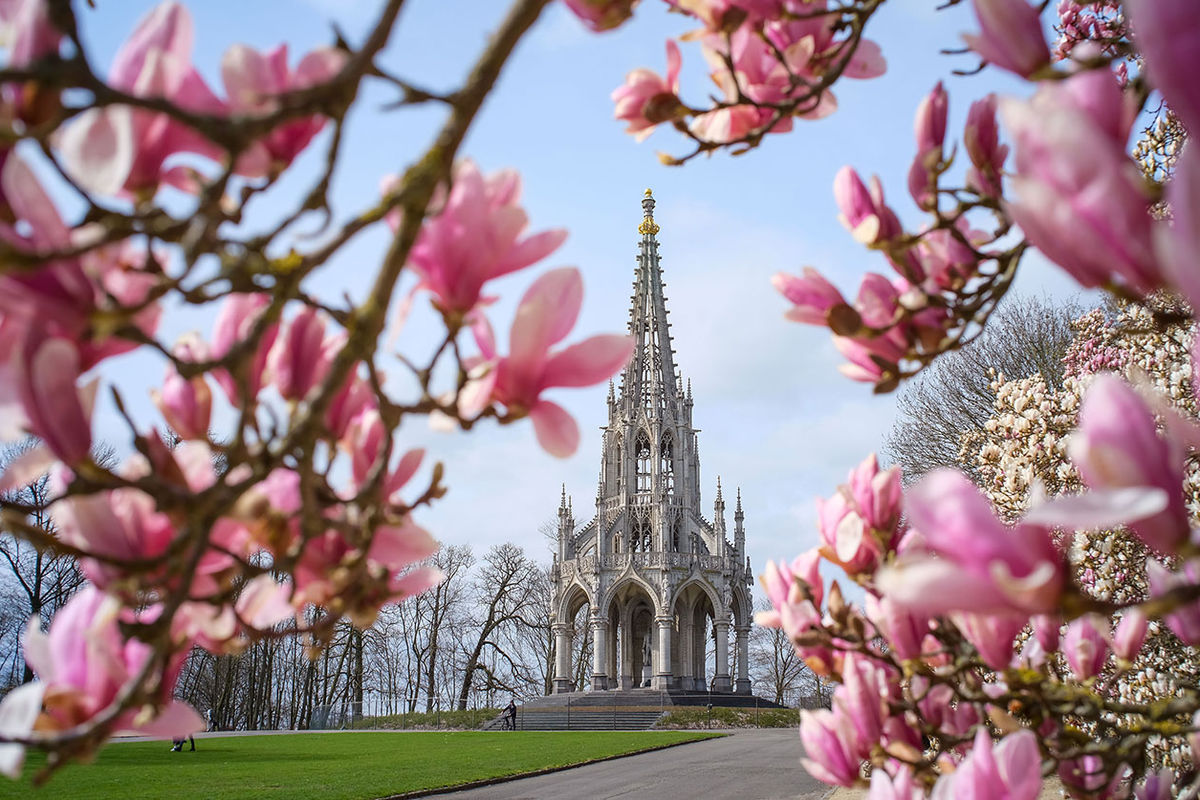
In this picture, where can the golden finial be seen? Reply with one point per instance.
(648, 224)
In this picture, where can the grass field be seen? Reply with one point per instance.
(327, 765)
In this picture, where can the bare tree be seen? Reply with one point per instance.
(1025, 335)
(776, 671)
(42, 579)
(505, 589)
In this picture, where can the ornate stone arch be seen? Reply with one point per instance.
(742, 610)
(713, 596)
(573, 598)
(604, 605)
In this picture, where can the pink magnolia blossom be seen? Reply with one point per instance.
(321, 574)
(475, 238)
(645, 99)
(1117, 445)
(1011, 770)
(45, 400)
(186, 404)
(60, 297)
(930, 130)
(29, 35)
(1177, 241)
(796, 592)
(813, 42)
(1130, 634)
(1079, 197)
(253, 82)
(863, 210)
(1184, 621)
(1156, 786)
(1085, 646)
(981, 137)
(982, 565)
(791, 610)
(116, 148)
(84, 662)
(903, 629)
(352, 399)
(991, 634)
(1010, 36)
(860, 522)
(946, 262)
(1087, 776)
(829, 747)
(301, 355)
(712, 12)
(1047, 629)
(902, 786)
(364, 440)
(234, 324)
(544, 317)
(602, 15)
(1165, 32)
(730, 124)
(121, 524)
(27, 32)
(862, 700)
(811, 295)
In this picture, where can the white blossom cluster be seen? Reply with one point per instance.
(1024, 445)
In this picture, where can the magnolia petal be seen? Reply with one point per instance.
(98, 148)
(588, 362)
(30, 202)
(177, 719)
(167, 28)
(318, 66)
(398, 546)
(545, 315)
(18, 712)
(265, 603)
(936, 586)
(556, 430)
(410, 462)
(416, 581)
(26, 469)
(849, 537)
(529, 250)
(1099, 508)
(51, 387)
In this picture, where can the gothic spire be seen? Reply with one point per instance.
(649, 380)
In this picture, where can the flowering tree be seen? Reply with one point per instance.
(985, 656)
(205, 544)
(271, 485)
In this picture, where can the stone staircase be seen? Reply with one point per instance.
(627, 709)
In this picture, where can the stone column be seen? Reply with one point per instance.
(743, 659)
(562, 660)
(599, 654)
(721, 682)
(662, 680)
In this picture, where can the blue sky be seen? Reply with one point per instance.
(777, 418)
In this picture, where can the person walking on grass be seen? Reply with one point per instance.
(177, 744)
(510, 715)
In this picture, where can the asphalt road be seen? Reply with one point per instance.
(749, 765)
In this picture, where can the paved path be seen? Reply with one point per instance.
(749, 765)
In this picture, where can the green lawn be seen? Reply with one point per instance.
(327, 765)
